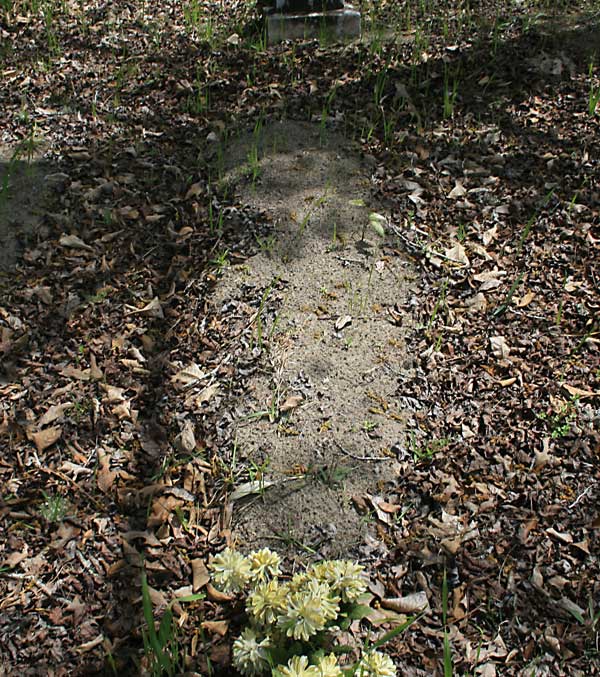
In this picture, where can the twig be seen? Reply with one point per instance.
(75, 485)
(581, 496)
(360, 458)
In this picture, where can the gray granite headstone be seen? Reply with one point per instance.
(307, 19)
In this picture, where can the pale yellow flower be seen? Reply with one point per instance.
(298, 582)
(231, 571)
(264, 564)
(250, 655)
(323, 571)
(328, 667)
(308, 611)
(375, 664)
(344, 577)
(330, 601)
(267, 601)
(298, 667)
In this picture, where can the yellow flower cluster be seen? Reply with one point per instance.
(375, 664)
(232, 572)
(296, 611)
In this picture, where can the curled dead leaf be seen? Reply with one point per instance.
(216, 596)
(291, 402)
(74, 242)
(45, 438)
(458, 191)
(189, 375)
(500, 348)
(458, 254)
(104, 476)
(216, 627)
(55, 412)
(416, 601)
(580, 392)
(200, 574)
(342, 322)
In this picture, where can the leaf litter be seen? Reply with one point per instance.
(112, 463)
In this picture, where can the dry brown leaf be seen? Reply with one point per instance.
(16, 558)
(207, 394)
(55, 412)
(416, 601)
(216, 595)
(95, 371)
(216, 627)
(73, 372)
(92, 644)
(489, 235)
(476, 304)
(122, 410)
(560, 535)
(45, 438)
(526, 299)
(457, 254)
(189, 375)
(500, 349)
(200, 575)
(151, 309)
(74, 242)
(458, 191)
(105, 476)
(580, 392)
(291, 403)
(114, 394)
(162, 508)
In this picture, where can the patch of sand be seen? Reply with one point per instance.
(324, 405)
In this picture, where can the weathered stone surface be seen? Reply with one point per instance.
(301, 6)
(338, 25)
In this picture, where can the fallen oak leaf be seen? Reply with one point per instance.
(200, 574)
(79, 374)
(580, 392)
(104, 476)
(291, 402)
(216, 595)
(45, 438)
(216, 627)
(151, 309)
(74, 242)
(55, 412)
(190, 375)
(458, 255)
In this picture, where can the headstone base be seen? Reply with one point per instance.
(338, 25)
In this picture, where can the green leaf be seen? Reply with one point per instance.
(340, 649)
(357, 203)
(345, 623)
(359, 611)
(190, 598)
(447, 657)
(153, 639)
